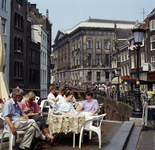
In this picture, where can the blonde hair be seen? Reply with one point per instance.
(31, 95)
(61, 89)
(52, 88)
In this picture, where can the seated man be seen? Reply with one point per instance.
(51, 98)
(89, 106)
(12, 113)
(60, 97)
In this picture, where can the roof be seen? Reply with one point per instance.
(123, 33)
(110, 21)
(101, 23)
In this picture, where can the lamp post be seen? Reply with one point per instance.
(137, 109)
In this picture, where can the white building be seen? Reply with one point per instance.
(5, 8)
(39, 34)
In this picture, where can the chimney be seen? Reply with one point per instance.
(47, 14)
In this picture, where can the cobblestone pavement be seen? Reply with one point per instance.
(147, 139)
(66, 141)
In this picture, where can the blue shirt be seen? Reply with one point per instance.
(12, 109)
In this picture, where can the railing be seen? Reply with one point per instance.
(127, 99)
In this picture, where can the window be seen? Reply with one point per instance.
(127, 55)
(98, 76)
(34, 76)
(89, 44)
(118, 58)
(34, 56)
(98, 44)
(152, 43)
(106, 59)
(75, 45)
(107, 75)
(79, 44)
(125, 70)
(106, 44)
(152, 63)
(3, 4)
(121, 57)
(132, 43)
(142, 59)
(128, 70)
(132, 62)
(79, 59)
(89, 61)
(122, 71)
(98, 57)
(18, 44)
(3, 25)
(89, 76)
(152, 25)
(18, 20)
(124, 56)
(18, 69)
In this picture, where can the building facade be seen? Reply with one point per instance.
(5, 8)
(18, 44)
(82, 54)
(41, 30)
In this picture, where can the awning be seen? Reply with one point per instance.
(116, 80)
(4, 91)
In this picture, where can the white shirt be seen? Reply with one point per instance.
(61, 99)
(66, 107)
(50, 98)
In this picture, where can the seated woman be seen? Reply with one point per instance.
(29, 106)
(66, 105)
(90, 106)
(73, 100)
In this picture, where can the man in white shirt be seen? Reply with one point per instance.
(60, 97)
(51, 98)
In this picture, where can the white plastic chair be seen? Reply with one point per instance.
(43, 104)
(89, 127)
(12, 138)
(37, 99)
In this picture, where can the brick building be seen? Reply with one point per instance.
(18, 44)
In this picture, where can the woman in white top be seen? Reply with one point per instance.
(66, 105)
(73, 100)
(51, 98)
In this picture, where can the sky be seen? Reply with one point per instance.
(65, 14)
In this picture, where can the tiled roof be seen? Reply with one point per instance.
(123, 33)
(146, 23)
(110, 21)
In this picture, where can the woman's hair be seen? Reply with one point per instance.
(52, 88)
(68, 93)
(16, 91)
(89, 93)
(31, 95)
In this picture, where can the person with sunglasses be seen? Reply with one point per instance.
(32, 109)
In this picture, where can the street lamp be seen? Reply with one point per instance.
(138, 34)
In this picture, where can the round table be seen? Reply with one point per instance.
(67, 122)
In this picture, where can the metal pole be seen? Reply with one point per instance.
(137, 109)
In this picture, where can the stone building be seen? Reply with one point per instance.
(83, 54)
